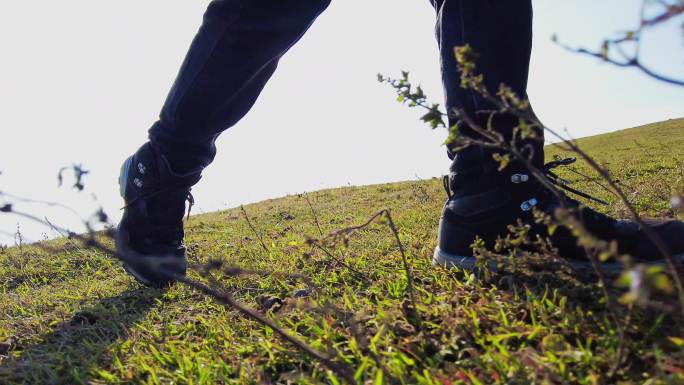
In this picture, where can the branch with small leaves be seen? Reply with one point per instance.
(508, 103)
(616, 51)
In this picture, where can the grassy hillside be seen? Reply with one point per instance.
(648, 162)
(71, 315)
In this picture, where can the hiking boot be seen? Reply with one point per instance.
(484, 201)
(149, 238)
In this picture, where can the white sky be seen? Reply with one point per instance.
(82, 80)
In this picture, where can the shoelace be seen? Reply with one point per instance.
(563, 183)
(189, 198)
(553, 178)
(191, 202)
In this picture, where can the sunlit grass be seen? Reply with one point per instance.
(74, 316)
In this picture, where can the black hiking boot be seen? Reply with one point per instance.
(484, 201)
(149, 239)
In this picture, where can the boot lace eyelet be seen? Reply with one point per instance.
(529, 205)
(519, 178)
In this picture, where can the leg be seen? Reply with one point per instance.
(232, 57)
(484, 200)
(500, 32)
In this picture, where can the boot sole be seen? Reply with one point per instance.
(448, 260)
(133, 262)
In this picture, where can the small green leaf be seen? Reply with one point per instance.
(605, 256)
(679, 342)
(662, 283)
(552, 228)
(628, 298)
(624, 280)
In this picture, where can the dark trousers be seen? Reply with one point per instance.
(238, 47)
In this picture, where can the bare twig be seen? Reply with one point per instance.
(235, 271)
(339, 261)
(41, 202)
(346, 232)
(670, 12)
(667, 11)
(54, 228)
(633, 62)
(352, 229)
(316, 244)
(340, 369)
(261, 240)
(313, 212)
(407, 268)
(622, 346)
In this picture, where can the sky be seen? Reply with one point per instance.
(82, 80)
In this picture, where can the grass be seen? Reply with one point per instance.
(71, 315)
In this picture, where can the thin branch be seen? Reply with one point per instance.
(330, 255)
(54, 228)
(353, 229)
(261, 240)
(630, 63)
(340, 369)
(407, 268)
(313, 212)
(629, 60)
(669, 13)
(41, 202)
(622, 346)
(346, 232)
(235, 271)
(316, 244)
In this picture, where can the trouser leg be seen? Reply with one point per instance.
(232, 57)
(500, 33)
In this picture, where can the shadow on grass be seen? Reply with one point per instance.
(76, 347)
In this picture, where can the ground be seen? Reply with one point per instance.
(69, 314)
